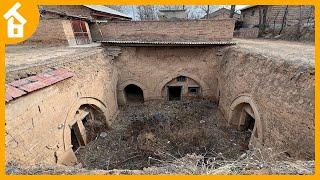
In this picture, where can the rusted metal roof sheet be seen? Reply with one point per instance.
(167, 43)
(27, 85)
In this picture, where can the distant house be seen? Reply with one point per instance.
(93, 12)
(15, 30)
(222, 13)
(176, 14)
(73, 24)
(276, 16)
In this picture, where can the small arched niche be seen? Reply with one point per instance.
(181, 87)
(133, 94)
(244, 116)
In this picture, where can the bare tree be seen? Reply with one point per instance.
(206, 9)
(233, 9)
(274, 21)
(117, 8)
(147, 12)
(177, 7)
(310, 17)
(284, 20)
(263, 18)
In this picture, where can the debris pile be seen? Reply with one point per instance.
(158, 132)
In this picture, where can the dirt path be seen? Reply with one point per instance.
(288, 50)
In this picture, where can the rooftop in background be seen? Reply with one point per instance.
(172, 14)
(106, 9)
(89, 12)
(247, 7)
(171, 10)
(221, 13)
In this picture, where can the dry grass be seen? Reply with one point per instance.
(253, 162)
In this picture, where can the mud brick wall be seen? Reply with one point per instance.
(50, 32)
(151, 68)
(275, 15)
(247, 33)
(179, 31)
(283, 92)
(55, 32)
(36, 124)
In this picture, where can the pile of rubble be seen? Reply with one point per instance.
(158, 132)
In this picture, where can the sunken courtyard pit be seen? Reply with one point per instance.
(158, 97)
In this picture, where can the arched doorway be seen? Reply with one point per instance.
(181, 87)
(244, 115)
(85, 120)
(133, 94)
(89, 122)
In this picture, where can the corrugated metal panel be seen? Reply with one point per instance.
(170, 43)
(21, 87)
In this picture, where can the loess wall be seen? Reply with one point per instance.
(179, 31)
(151, 68)
(37, 125)
(282, 92)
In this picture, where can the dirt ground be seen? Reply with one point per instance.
(157, 132)
(26, 56)
(175, 137)
(301, 52)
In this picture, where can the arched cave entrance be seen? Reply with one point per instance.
(133, 94)
(181, 87)
(244, 119)
(89, 122)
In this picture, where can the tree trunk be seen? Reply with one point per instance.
(300, 22)
(233, 9)
(284, 19)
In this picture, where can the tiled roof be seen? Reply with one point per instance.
(27, 85)
(167, 43)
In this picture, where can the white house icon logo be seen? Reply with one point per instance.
(15, 30)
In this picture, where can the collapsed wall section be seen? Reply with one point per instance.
(38, 124)
(171, 31)
(281, 94)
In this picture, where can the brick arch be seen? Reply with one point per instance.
(123, 85)
(234, 114)
(204, 86)
(99, 105)
(67, 156)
